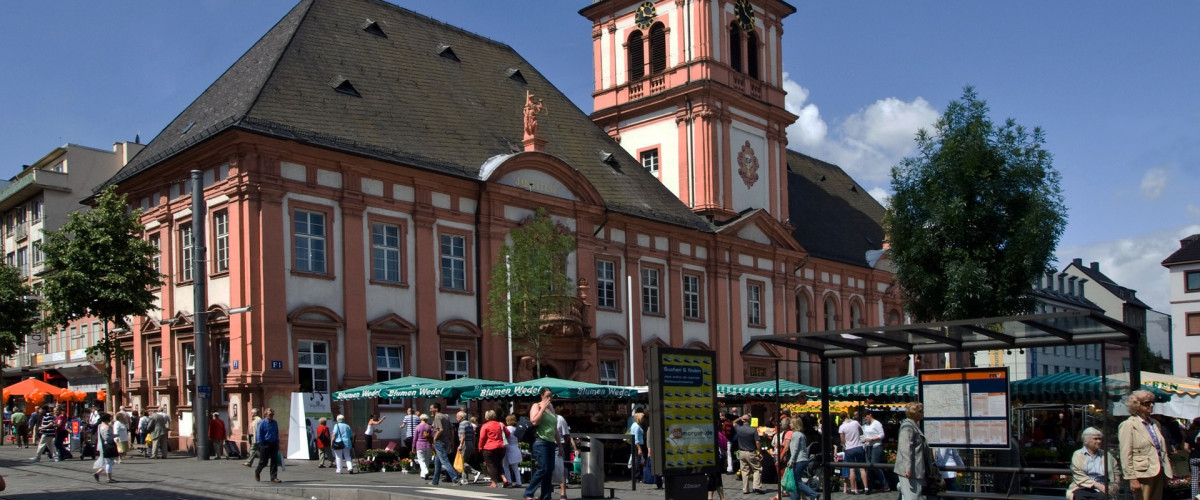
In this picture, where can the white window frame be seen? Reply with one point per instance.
(610, 372)
(385, 254)
(221, 241)
(223, 359)
(456, 363)
(452, 249)
(156, 357)
(649, 159)
(391, 364)
(189, 372)
(651, 291)
(606, 284)
(186, 241)
(156, 259)
(754, 304)
(309, 358)
(691, 297)
(310, 241)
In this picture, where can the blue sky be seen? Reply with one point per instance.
(1112, 83)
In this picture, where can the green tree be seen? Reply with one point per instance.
(18, 310)
(529, 285)
(975, 217)
(99, 266)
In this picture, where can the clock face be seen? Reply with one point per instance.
(745, 14)
(645, 15)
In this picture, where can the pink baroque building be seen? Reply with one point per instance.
(364, 164)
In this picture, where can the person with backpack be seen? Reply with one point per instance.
(342, 441)
(324, 443)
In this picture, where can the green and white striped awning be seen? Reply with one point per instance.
(563, 389)
(765, 389)
(902, 387)
(450, 389)
(1064, 386)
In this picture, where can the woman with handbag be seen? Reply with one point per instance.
(1088, 478)
(107, 438)
(913, 462)
(342, 436)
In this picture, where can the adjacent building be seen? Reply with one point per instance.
(38, 199)
(1184, 265)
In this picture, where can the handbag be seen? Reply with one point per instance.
(458, 463)
(338, 445)
(110, 449)
(787, 482)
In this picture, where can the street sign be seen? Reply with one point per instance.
(276, 365)
(205, 391)
(235, 364)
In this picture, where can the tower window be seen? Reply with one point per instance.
(752, 55)
(735, 47)
(650, 160)
(658, 49)
(637, 56)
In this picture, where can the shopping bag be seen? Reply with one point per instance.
(282, 464)
(786, 481)
(559, 470)
(458, 463)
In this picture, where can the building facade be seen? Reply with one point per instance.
(1184, 265)
(364, 165)
(40, 198)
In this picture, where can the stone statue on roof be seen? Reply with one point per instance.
(531, 109)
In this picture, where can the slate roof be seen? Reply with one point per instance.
(1094, 274)
(415, 105)
(1189, 252)
(833, 217)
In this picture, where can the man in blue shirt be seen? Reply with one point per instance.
(267, 437)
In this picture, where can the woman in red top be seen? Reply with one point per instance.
(492, 439)
(323, 444)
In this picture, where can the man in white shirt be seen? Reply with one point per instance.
(873, 442)
(851, 432)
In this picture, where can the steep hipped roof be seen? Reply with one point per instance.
(1093, 273)
(369, 78)
(834, 217)
(1189, 252)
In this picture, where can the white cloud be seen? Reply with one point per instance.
(868, 143)
(881, 195)
(1135, 262)
(1154, 182)
(1193, 210)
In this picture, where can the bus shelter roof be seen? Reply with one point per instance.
(981, 334)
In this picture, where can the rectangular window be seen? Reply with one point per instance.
(23, 261)
(650, 160)
(754, 304)
(457, 365)
(156, 358)
(189, 372)
(609, 374)
(691, 296)
(223, 359)
(37, 210)
(385, 252)
(37, 253)
(1193, 365)
(129, 372)
(309, 229)
(221, 241)
(314, 366)
(606, 284)
(185, 252)
(454, 262)
(1191, 281)
(156, 259)
(1192, 323)
(389, 364)
(651, 303)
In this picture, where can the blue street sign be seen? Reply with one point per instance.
(205, 391)
(276, 365)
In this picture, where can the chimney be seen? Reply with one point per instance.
(1189, 239)
(1062, 285)
(1077, 261)
(1096, 266)
(1071, 285)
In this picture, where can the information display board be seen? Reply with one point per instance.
(683, 402)
(965, 408)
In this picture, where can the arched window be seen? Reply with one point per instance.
(856, 319)
(637, 56)
(893, 317)
(802, 312)
(735, 47)
(830, 314)
(658, 49)
(752, 55)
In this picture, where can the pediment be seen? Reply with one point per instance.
(392, 323)
(537, 182)
(539, 173)
(759, 227)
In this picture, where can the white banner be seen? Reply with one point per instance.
(306, 408)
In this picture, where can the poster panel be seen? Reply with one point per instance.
(966, 407)
(683, 402)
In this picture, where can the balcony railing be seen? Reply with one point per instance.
(21, 231)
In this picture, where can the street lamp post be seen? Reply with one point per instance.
(200, 322)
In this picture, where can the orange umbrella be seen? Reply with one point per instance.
(100, 395)
(26, 386)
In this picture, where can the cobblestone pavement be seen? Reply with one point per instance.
(184, 477)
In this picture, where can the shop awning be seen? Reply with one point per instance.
(563, 389)
(376, 390)
(1073, 387)
(1169, 383)
(902, 387)
(766, 389)
(450, 389)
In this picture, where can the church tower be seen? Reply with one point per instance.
(694, 89)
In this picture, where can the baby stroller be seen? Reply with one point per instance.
(87, 444)
(812, 474)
